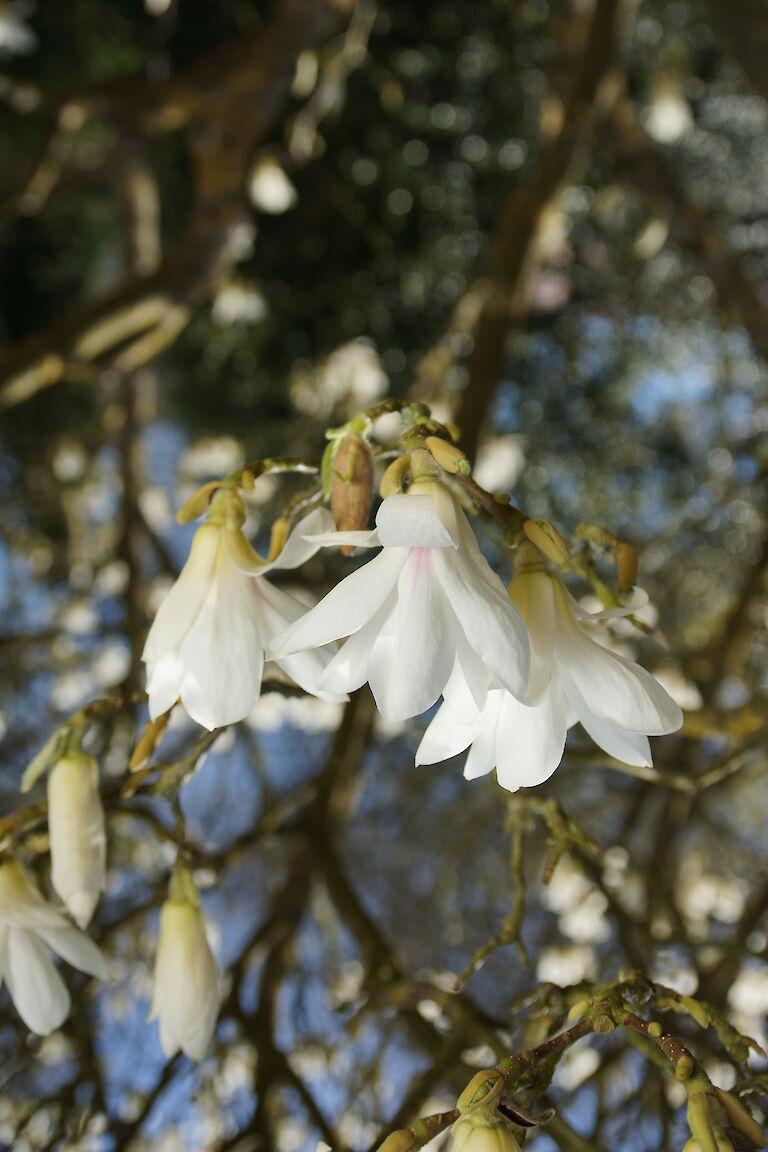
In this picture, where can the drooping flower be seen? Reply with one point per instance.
(185, 997)
(427, 603)
(30, 930)
(77, 835)
(208, 641)
(573, 678)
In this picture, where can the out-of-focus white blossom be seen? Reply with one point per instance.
(77, 834)
(426, 608)
(269, 188)
(30, 930)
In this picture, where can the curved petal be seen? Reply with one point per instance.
(346, 608)
(412, 522)
(223, 655)
(409, 668)
(638, 600)
(628, 747)
(184, 601)
(301, 543)
(364, 539)
(348, 670)
(164, 681)
(605, 685)
(482, 754)
(444, 737)
(36, 988)
(77, 949)
(530, 740)
(491, 623)
(467, 689)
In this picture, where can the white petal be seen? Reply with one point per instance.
(301, 542)
(412, 521)
(628, 747)
(638, 600)
(77, 949)
(21, 902)
(348, 670)
(77, 834)
(278, 610)
(530, 741)
(346, 608)
(164, 681)
(467, 689)
(445, 736)
(610, 687)
(363, 539)
(223, 654)
(482, 754)
(491, 623)
(181, 606)
(36, 988)
(410, 667)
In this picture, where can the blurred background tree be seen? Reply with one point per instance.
(229, 224)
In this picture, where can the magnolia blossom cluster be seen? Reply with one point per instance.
(426, 618)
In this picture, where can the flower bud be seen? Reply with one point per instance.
(548, 540)
(400, 1141)
(626, 566)
(473, 1133)
(483, 1090)
(448, 456)
(77, 835)
(186, 987)
(352, 486)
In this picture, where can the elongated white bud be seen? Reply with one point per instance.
(186, 988)
(77, 835)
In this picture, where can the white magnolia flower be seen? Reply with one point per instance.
(208, 641)
(30, 930)
(77, 835)
(185, 998)
(573, 678)
(427, 603)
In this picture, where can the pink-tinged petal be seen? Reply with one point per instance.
(444, 737)
(36, 988)
(530, 740)
(409, 671)
(223, 655)
(492, 625)
(602, 684)
(346, 608)
(348, 670)
(532, 594)
(628, 747)
(164, 681)
(184, 601)
(302, 541)
(414, 522)
(77, 949)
